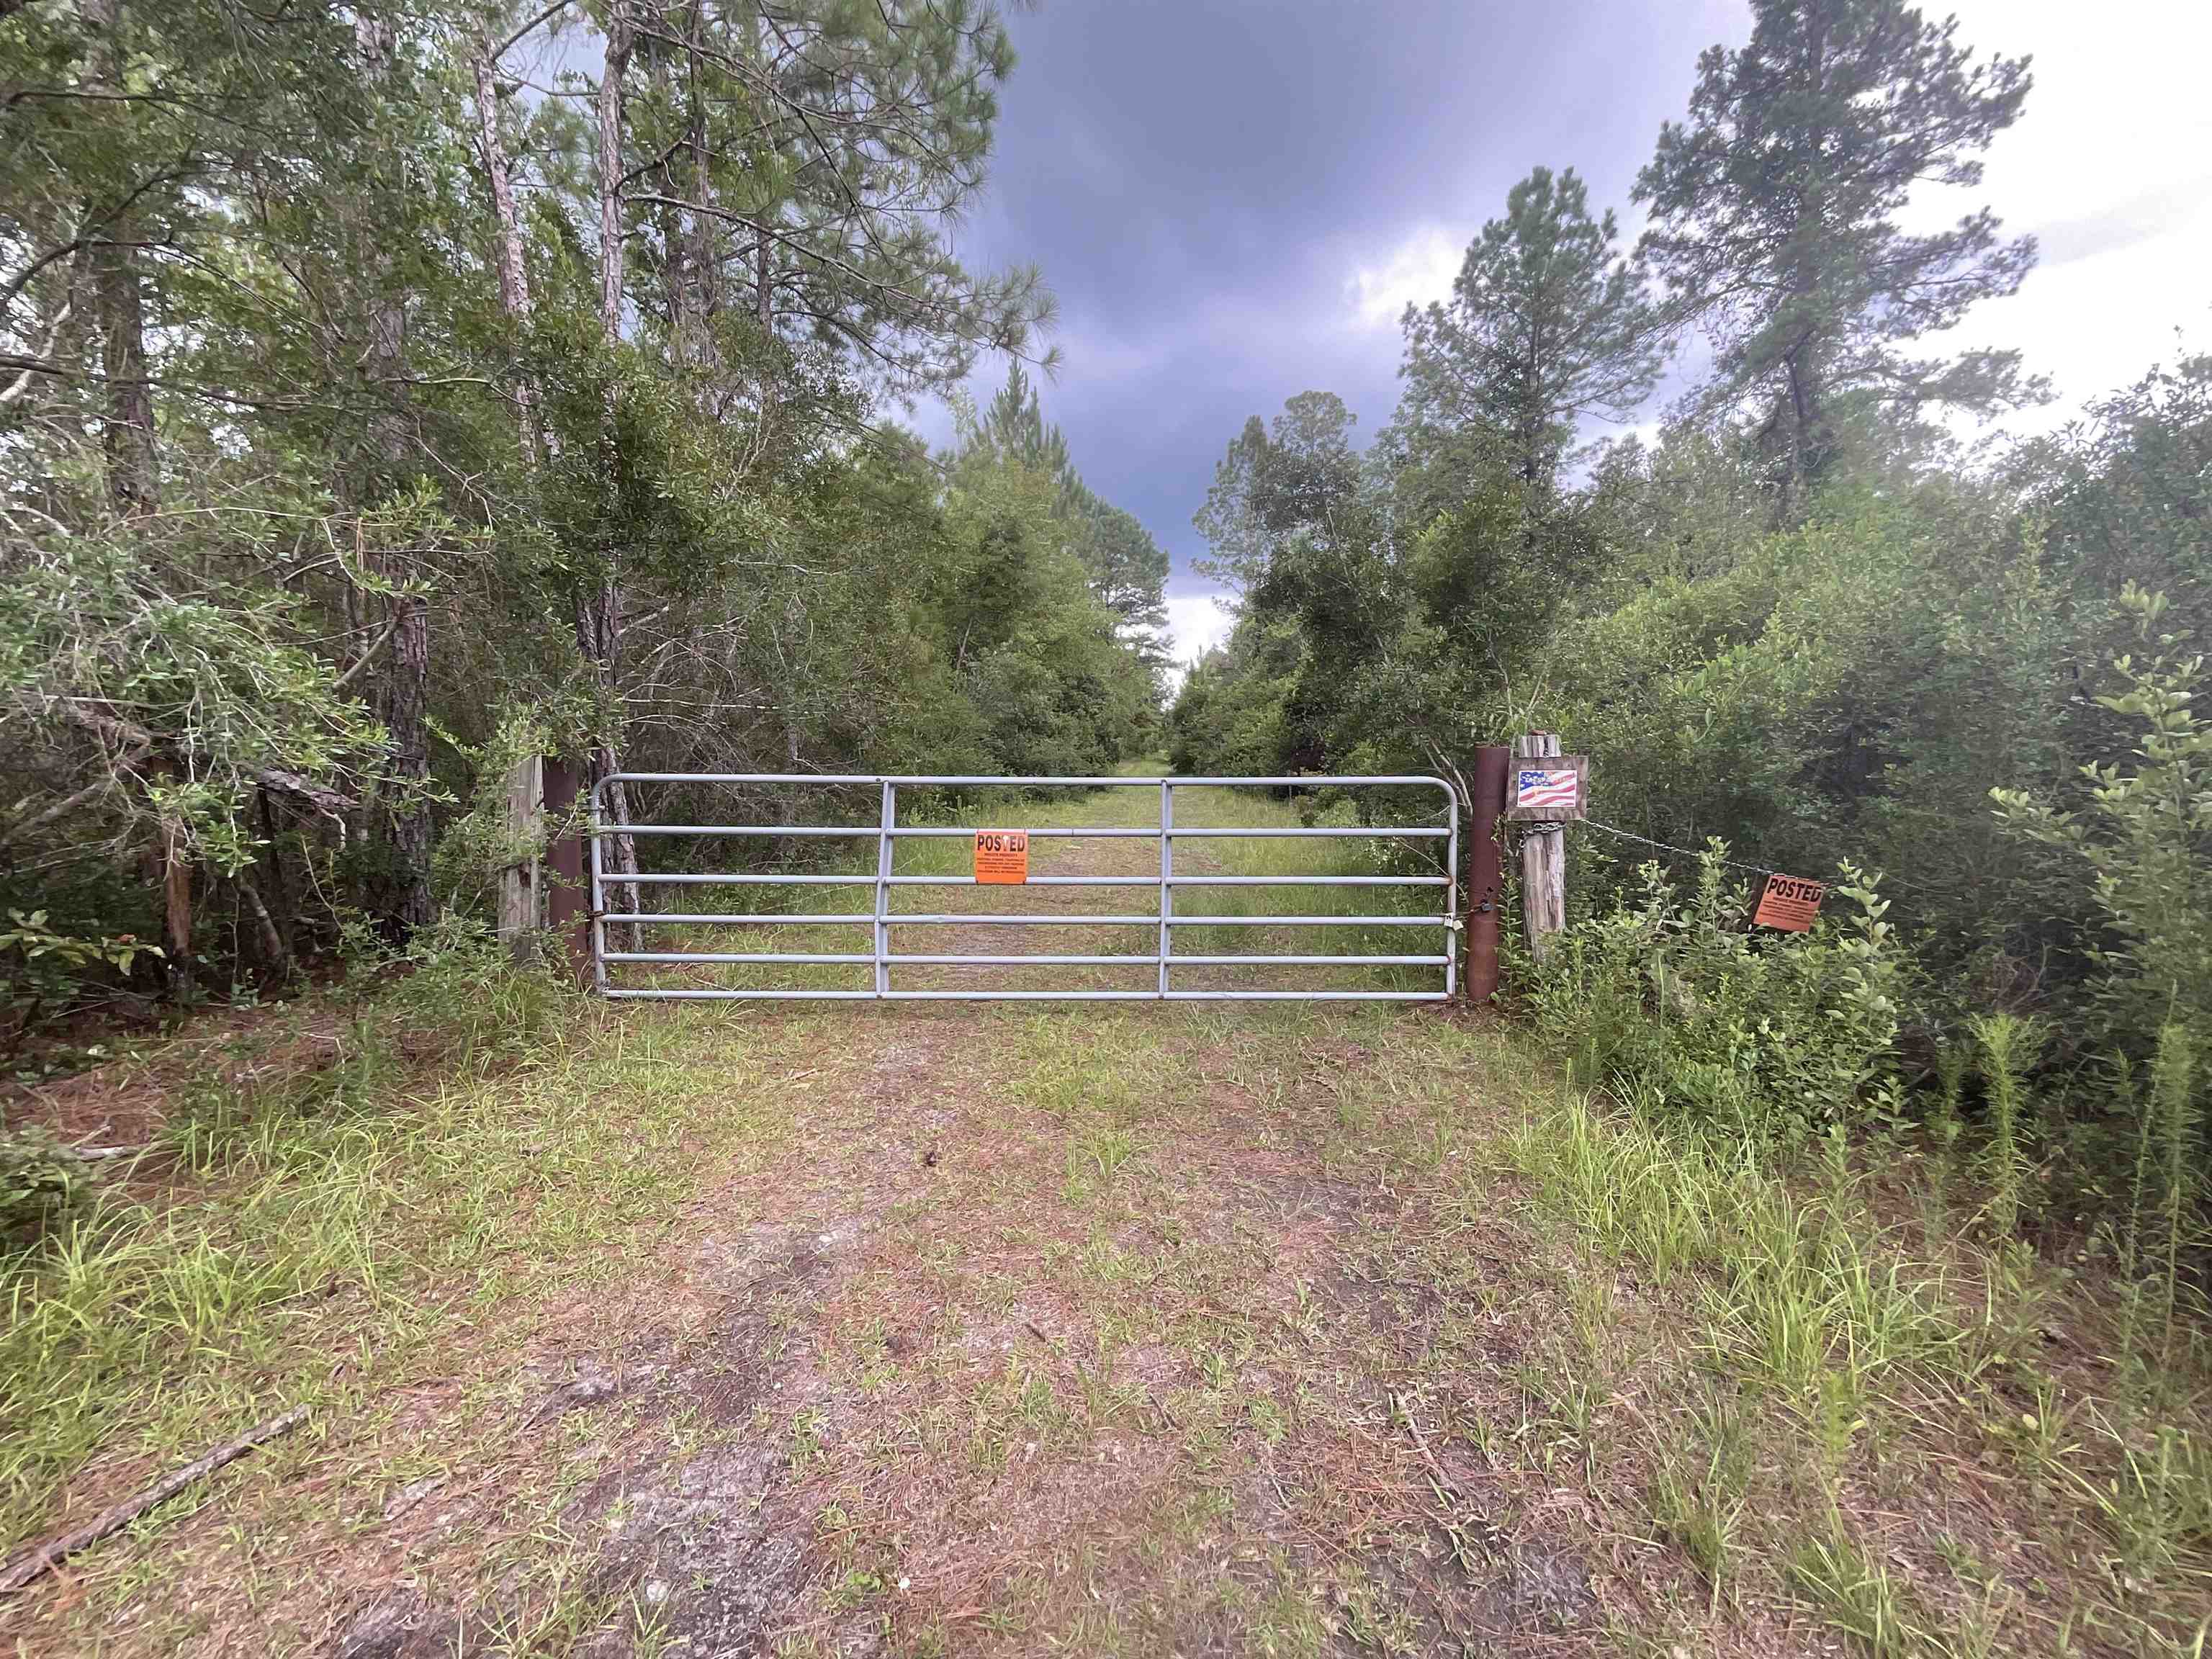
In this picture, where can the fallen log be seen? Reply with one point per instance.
(47, 1556)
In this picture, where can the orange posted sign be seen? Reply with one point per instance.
(1002, 857)
(1789, 902)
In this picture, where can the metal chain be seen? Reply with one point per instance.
(1668, 847)
(1888, 880)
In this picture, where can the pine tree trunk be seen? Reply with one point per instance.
(127, 426)
(127, 433)
(506, 247)
(1799, 481)
(704, 270)
(619, 43)
(403, 702)
(403, 678)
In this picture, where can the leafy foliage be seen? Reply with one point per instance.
(1677, 1006)
(1793, 617)
(2145, 837)
(42, 1185)
(364, 402)
(48, 970)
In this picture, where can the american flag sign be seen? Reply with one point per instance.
(1542, 786)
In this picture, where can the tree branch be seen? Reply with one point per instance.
(124, 733)
(369, 655)
(504, 46)
(51, 1554)
(68, 804)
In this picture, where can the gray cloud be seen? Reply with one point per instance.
(1201, 182)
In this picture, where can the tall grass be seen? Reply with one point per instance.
(2009, 1045)
(1845, 1348)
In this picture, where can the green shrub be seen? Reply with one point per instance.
(465, 997)
(42, 1185)
(1677, 1004)
(2145, 844)
(45, 969)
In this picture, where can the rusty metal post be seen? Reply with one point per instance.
(568, 914)
(1484, 870)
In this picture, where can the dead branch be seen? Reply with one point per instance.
(68, 804)
(1444, 1486)
(51, 1554)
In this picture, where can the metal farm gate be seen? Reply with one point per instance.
(1000, 858)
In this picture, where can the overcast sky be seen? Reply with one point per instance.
(1233, 202)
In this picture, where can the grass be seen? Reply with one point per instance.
(954, 1330)
(285, 1251)
(1848, 1372)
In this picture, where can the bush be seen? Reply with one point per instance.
(1676, 1005)
(2145, 842)
(466, 1001)
(2142, 846)
(46, 970)
(42, 1185)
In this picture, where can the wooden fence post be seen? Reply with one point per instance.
(518, 884)
(1543, 861)
(1485, 875)
(567, 907)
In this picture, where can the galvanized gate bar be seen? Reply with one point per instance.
(645, 879)
(1034, 881)
(743, 918)
(889, 821)
(1167, 880)
(881, 919)
(1309, 881)
(755, 956)
(980, 780)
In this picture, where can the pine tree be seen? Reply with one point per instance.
(1774, 215)
(1546, 325)
(1128, 570)
(799, 165)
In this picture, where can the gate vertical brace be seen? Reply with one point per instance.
(598, 897)
(883, 888)
(1451, 900)
(1484, 870)
(1167, 879)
